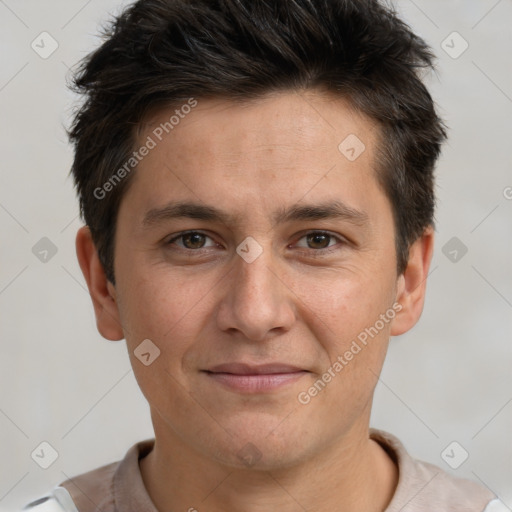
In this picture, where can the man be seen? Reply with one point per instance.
(256, 179)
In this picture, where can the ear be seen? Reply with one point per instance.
(412, 283)
(103, 293)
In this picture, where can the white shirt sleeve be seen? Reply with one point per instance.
(59, 500)
(496, 506)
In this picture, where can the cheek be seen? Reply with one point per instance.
(167, 311)
(343, 305)
(345, 317)
(164, 308)
(354, 340)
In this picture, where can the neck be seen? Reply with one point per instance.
(356, 474)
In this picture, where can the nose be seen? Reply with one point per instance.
(257, 303)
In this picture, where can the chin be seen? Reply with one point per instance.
(264, 444)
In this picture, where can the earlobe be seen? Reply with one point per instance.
(411, 285)
(102, 292)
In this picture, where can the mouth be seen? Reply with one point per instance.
(246, 378)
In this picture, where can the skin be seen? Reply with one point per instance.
(298, 303)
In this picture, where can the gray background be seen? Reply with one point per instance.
(447, 380)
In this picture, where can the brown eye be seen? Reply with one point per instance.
(193, 240)
(318, 240)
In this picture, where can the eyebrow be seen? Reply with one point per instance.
(330, 210)
(186, 210)
(307, 212)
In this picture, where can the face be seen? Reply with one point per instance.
(259, 260)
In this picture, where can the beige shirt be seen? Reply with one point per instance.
(422, 487)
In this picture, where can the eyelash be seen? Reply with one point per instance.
(304, 251)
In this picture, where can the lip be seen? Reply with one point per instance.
(248, 378)
(254, 369)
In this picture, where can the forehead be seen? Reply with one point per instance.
(309, 119)
(282, 146)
